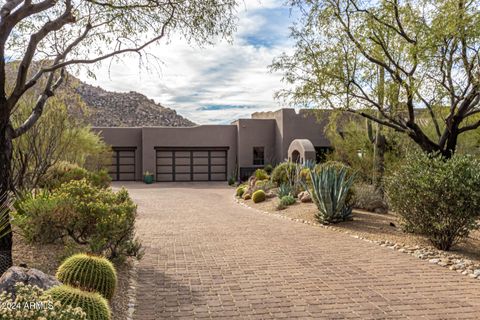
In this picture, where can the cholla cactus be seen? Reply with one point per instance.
(32, 303)
(90, 273)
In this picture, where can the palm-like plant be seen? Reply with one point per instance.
(329, 189)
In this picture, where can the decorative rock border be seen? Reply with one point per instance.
(434, 256)
(132, 290)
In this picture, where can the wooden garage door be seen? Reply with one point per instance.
(123, 164)
(191, 164)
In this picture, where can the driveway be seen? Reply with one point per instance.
(208, 257)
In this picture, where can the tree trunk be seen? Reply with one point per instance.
(6, 148)
(380, 144)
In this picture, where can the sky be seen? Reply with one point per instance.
(216, 84)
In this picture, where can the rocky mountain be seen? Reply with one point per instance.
(130, 109)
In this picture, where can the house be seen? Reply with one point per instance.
(216, 152)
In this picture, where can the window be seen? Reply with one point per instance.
(258, 156)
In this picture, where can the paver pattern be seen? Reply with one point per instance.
(208, 257)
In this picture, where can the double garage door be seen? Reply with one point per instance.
(191, 164)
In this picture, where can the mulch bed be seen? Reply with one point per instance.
(48, 257)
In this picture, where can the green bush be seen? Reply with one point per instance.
(259, 196)
(261, 174)
(231, 181)
(89, 273)
(92, 303)
(287, 200)
(240, 190)
(34, 215)
(47, 308)
(268, 168)
(64, 172)
(437, 198)
(280, 173)
(100, 218)
(329, 191)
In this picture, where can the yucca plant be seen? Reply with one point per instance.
(329, 189)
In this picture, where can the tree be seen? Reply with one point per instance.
(428, 51)
(49, 36)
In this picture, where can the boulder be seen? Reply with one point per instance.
(30, 276)
(270, 194)
(304, 197)
(377, 206)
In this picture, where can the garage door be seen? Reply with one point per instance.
(123, 164)
(191, 164)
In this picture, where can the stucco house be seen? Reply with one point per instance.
(216, 152)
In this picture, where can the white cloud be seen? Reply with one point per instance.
(189, 78)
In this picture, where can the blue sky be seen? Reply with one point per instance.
(216, 84)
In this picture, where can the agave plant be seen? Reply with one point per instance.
(329, 189)
(285, 189)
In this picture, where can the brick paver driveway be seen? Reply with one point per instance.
(208, 257)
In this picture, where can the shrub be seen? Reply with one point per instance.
(284, 190)
(34, 215)
(367, 198)
(48, 308)
(287, 200)
(437, 198)
(336, 165)
(89, 273)
(280, 173)
(64, 172)
(261, 174)
(259, 196)
(268, 168)
(92, 303)
(329, 191)
(100, 218)
(231, 181)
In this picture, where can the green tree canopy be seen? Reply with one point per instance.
(426, 53)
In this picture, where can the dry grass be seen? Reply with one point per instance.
(47, 258)
(372, 226)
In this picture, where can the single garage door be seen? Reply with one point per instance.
(123, 164)
(191, 164)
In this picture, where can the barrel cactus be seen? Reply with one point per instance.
(92, 303)
(240, 191)
(90, 273)
(259, 196)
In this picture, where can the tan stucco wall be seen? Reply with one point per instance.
(272, 130)
(199, 136)
(125, 137)
(255, 133)
(303, 125)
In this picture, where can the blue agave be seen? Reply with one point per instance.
(329, 189)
